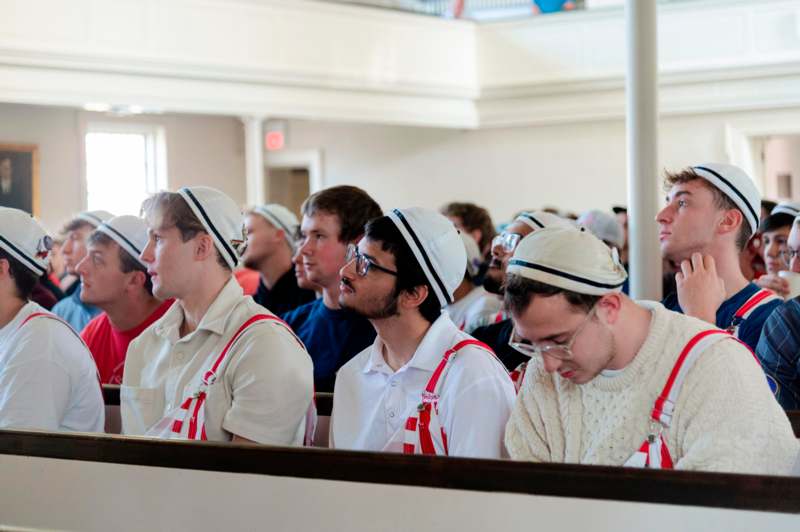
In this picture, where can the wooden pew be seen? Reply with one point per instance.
(92, 481)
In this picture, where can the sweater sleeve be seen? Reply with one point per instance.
(726, 418)
(526, 437)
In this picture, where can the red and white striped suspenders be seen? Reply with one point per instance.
(424, 434)
(654, 453)
(762, 297)
(190, 421)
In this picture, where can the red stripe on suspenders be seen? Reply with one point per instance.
(753, 302)
(659, 404)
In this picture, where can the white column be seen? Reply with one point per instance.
(254, 159)
(642, 143)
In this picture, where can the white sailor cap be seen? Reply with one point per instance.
(130, 232)
(737, 185)
(474, 257)
(22, 237)
(437, 247)
(604, 226)
(540, 219)
(791, 208)
(221, 217)
(95, 217)
(281, 218)
(569, 258)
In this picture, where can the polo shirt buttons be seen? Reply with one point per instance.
(394, 384)
(391, 414)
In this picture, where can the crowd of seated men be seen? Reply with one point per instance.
(436, 334)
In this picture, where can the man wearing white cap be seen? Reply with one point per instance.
(216, 366)
(778, 348)
(271, 231)
(115, 280)
(424, 386)
(607, 228)
(615, 382)
(48, 379)
(71, 309)
(712, 211)
(333, 218)
(496, 333)
(774, 230)
(472, 305)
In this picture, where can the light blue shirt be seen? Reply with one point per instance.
(72, 310)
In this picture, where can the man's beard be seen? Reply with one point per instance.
(610, 348)
(377, 309)
(492, 284)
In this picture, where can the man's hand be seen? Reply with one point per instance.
(700, 290)
(777, 284)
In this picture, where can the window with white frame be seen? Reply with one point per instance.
(125, 163)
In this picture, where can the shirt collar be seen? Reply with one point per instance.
(440, 337)
(215, 319)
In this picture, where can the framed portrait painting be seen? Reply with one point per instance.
(19, 177)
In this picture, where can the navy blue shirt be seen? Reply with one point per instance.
(750, 329)
(332, 337)
(497, 336)
(779, 353)
(285, 296)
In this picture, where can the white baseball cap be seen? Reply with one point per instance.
(281, 218)
(474, 257)
(437, 247)
(604, 226)
(221, 217)
(540, 219)
(791, 208)
(130, 232)
(22, 237)
(569, 258)
(736, 185)
(95, 217)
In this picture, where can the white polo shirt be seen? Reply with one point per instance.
(266, 385)
(371, 402)
(48, 379)
(476, 309)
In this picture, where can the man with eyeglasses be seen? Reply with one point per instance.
(774, 231)
(423, 386)
(496, 332)
(779, 346)
(622, 383)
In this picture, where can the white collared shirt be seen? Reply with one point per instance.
(48, 379)
(264, 389)
(371, 402)
(476, 309)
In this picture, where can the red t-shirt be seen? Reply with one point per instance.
(109, 345)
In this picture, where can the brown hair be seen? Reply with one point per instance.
(351, 205)
(520, 291)
(169, 209)
(472, 217)
(721, 201)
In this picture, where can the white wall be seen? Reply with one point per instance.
(573, 166)
(201, 150)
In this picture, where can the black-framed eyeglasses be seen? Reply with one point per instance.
(364, 263)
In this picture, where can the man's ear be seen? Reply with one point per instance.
(415, 297)
(610, 305)
(731, 221)
(203, 246)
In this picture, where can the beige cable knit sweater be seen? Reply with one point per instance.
(725, 419)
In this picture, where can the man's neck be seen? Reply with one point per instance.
(130, 312)
(634, 327)
(275, 267)
(330, 296)
(9, 308)
(726, 261)
(401, 336)
(196, 304)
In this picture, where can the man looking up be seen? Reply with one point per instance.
(216, 366)
(332, 219)
(271, 231)
(615, 382)
(48, 379)
(115, 280)
(400, 275)
(71, 309)
(711, 213)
